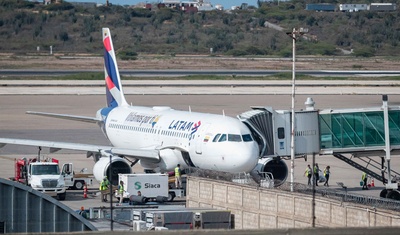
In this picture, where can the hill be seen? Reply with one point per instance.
(70, 29)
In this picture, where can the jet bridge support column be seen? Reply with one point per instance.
(383, 170)
(389, 184)
(313, 192)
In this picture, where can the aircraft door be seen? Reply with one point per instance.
(200, 138)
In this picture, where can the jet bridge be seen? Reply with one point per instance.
(358, 130)
(272, 130)
(351, 135)
(361, 133)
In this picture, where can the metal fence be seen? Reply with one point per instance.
(336, 194)
(343, 196)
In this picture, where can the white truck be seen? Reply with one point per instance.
(152, 187)
(45, 177)
(76, 180)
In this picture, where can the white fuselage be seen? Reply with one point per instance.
(207, 141)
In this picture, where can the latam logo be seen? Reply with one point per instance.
(194, 129)
(182, 125)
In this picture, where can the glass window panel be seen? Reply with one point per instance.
(216, 137)
(247, 138)
(223, 138)
(234, 138)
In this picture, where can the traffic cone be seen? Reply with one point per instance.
(85, 191)
(372, 183)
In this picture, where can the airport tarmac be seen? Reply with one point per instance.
(14, 123)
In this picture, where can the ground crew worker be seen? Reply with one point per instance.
(83, 213)
(178, 178)
(327, 172)
(364, 178)
(316, 173)
(121, 191)
(308, 174)
(104, 186)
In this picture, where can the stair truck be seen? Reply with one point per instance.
(43, 176)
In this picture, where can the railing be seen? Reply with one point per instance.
(336, 194)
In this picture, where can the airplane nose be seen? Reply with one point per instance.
(244, 157)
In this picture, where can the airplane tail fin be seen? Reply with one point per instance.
(115, 95)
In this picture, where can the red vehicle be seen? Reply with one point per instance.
(21, 168)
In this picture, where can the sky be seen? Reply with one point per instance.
(226, 3)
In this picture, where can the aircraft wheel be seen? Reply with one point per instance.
(383, 193)
(395, 195)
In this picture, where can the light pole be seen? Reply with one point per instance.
(111, 193)
(294, 35)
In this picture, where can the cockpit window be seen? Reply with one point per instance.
(247, 138)
(216, 137)
(223, 138)
(234, 138)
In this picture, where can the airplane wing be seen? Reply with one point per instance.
(66, 116)
(141, 154)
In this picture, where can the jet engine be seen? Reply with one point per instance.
(169, 158)
(277, 167)
(103, 168)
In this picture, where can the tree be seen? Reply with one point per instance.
(63, 36)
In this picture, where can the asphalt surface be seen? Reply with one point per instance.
(202, 87)
(14, 123)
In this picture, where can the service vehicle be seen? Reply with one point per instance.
(42, 175)
(152, 187)
(76, 180)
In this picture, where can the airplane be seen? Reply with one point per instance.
(158, 137)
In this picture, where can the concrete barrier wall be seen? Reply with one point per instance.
(256, 208)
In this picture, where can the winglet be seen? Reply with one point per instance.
(115, 95)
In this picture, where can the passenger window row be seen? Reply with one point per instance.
(150, 130)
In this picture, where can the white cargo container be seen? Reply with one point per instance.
(153, 187)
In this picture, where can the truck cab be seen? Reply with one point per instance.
(75, 180)
(45, 177)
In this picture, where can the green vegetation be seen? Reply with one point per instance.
(73, 29)
(279, 76)
(128, 55)
(78, 76)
